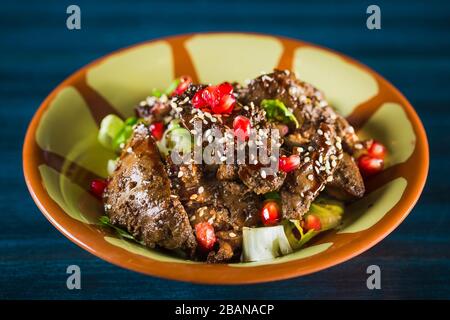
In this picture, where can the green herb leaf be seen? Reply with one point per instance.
(171, 88)
(156, 93)
(276, 110)
(105, 221)
(273, 195)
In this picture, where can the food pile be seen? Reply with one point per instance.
(230, 211)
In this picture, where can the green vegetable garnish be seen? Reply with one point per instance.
(264, 243)
(121, 139)
(276, 110)
(171, 88)
(131, 121)
(175, 138)
(105, 221)
(114, 131)
(328, 211)
(156, 93)
(110, 127)
(273, 195)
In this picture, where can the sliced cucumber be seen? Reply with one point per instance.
(110, 127)
(264, 243)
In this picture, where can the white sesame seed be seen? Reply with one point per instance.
(201, 189)
(310, 177)
(180, 174)
(263, 174)
(193, 197)
(232, 235)
(329, 178)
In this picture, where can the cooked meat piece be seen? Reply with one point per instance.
(139, 198)
(318, 163)
(307, 102)
(227, 172)
(217, 216)
(153, 109)
(252, 177)
(242, 204)
(247, 173)
(347, 184)
(186, 179)
(229, 247)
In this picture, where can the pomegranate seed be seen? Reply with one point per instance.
(225, 105)
(97, 187)
(377, 150)
(209, 96)
(206, 237)
(312, 222)
(219, 98)
(241, 126)
(287, 164)
(185, 81)
(197, 100)
(157, 130)
(270, 213)
(369, 165)
(225, 88)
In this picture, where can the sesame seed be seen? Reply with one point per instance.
(193, 197)
(180, 174)
(310, 177)
(263, 174)
(201, 189)
(310, 149)
(338, 145)
(329, 178)
(320, 132)
(232, 235)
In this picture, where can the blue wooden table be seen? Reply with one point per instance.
(37, 52)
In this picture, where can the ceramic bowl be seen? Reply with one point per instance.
(61, 154)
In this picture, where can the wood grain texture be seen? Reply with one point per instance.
(37, 52)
